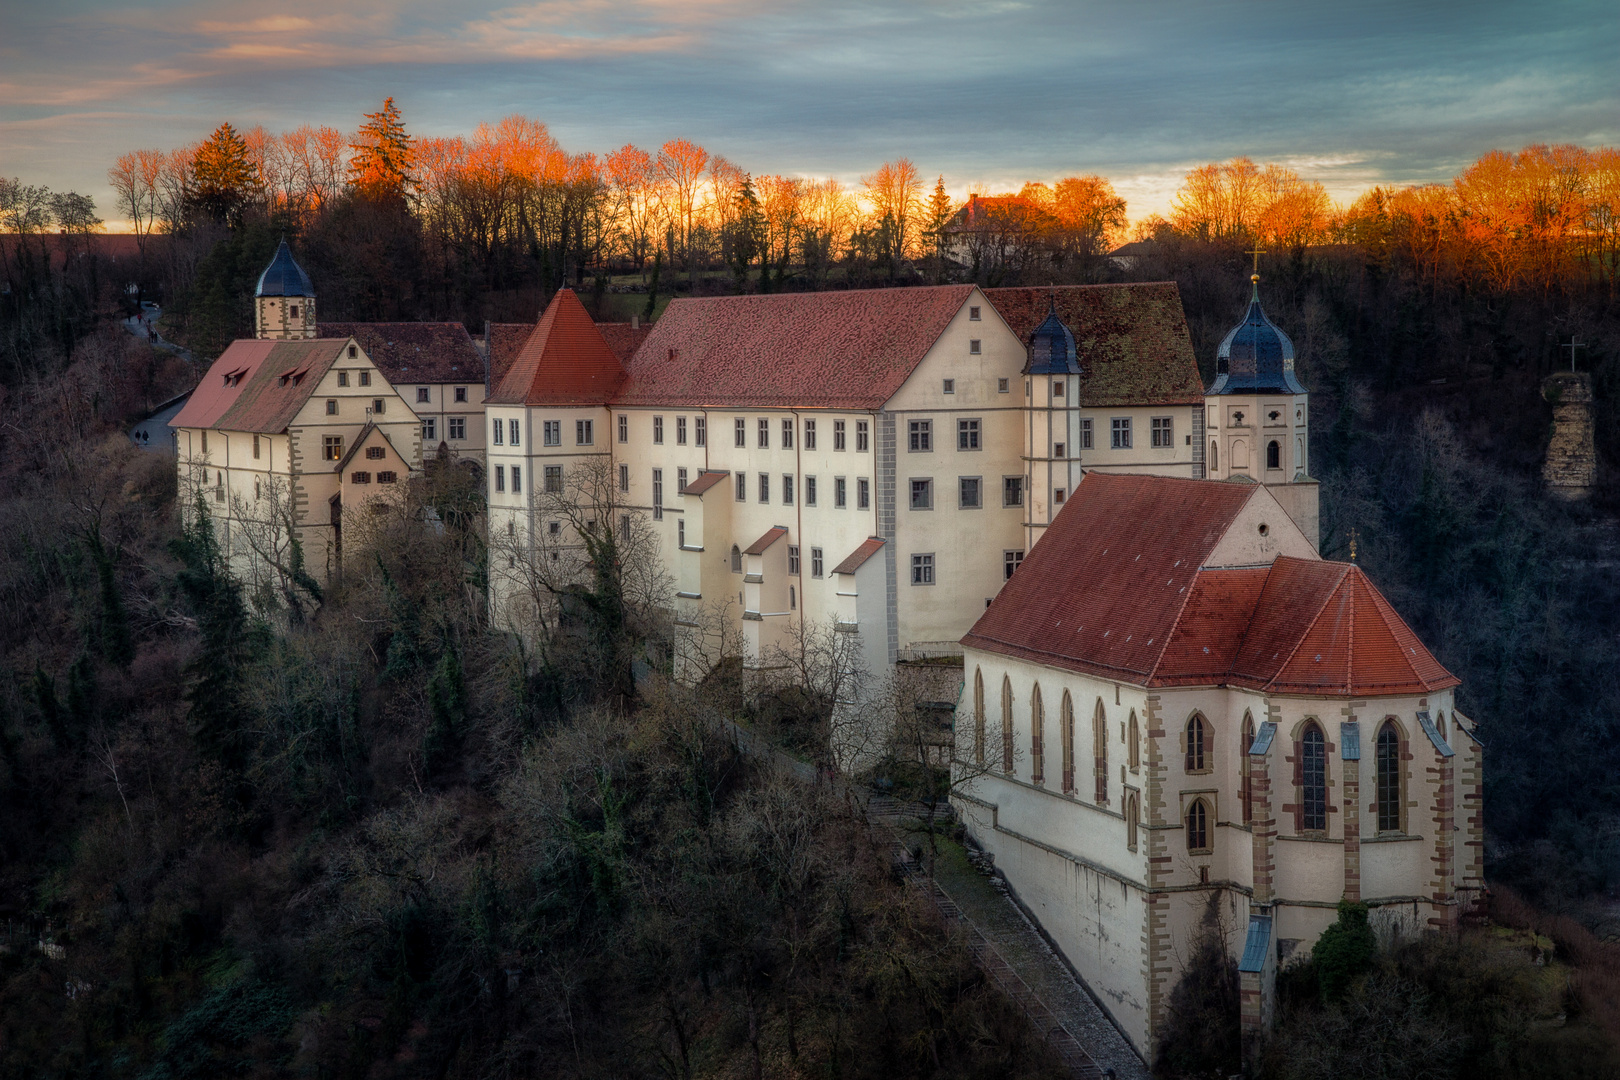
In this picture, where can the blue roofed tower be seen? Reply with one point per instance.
(284, 301)
(1258, 422)
(1052, 422)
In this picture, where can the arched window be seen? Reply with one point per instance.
(1067, 721)
(1214, 456)
(978, 717)
(1195, 744)
(1313, 779)
(1037, 725)
(736, 559)
(1131, 811)
(1133, 746)
(1006, 725)
(1245, 781)
(1389, 778)
(1099, 753)
(1240, 454)
(1198, 827)
(1440, 726)
(1273, 455)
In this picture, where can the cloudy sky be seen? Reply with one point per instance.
(989, 92)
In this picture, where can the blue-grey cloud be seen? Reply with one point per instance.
(985, 92)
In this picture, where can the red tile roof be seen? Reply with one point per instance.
(1117, 589)
(566, 361)
(418, 352)
(703, 482)
(835, 350)
(771, 536)
(623, 338)
(502, 343)
(1131, 340)
(857, 558)
(270, 381)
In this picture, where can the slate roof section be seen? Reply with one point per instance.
(415, 352)
(1117, 588)
(703, 482)
(566, 361)
(502, 343)
(258, 398)
(284, 277)
(857, 558)
(1131, 340)
(771, 536)
(831, 350)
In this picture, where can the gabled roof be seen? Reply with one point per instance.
(415, 352)
(1131, 340)
(566, 361)
(771, 536)
(360, 440)
(623, 338)
(269, 383)
(703, 482)
(1118, 588)
(836, 350)
(857, 558)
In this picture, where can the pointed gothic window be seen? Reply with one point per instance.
(1099, 753)
(1313, 779)
(1066, 719)
(1245, 780)
(1198, 827)
(1389, 778)
(1195, 744)
(1006, 725)
(978, 700)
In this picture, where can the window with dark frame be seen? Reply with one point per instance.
(922, 569)
(365, 378)
(1197, 827)
(624, 478)
(921, 436)
(554, 479)
(680, 431)
(461, 394)
(497, 432)
(840, 492)
(787, 433)
(764, 436)
(700, 431)
(1085, 433)
(658, 431)
(861, 436)
(838, 434)
(1003, 386)
(1162, 433)
(624, 428)
(740, 430)
(809, 434)
(764, 487)
(967, 434)
(553, 432)
(422, 395)
(1313, 780)
(658, 494)
(1012, 491)
(1121, 433)
(969, 493)
(816, 562)
(500, 478)
(742, 487)
(787, 489)
(810, 491)
(512, 430)
(517, 479)
(680, 480)
(1010, 561)
(583, 433)
(332, 447)
(950, 386)
(1194, 756)
(331, 407)
(458, 428)
(1389, 778)
(922, 494)
(375, 453)
(863, 494)
(793, 560)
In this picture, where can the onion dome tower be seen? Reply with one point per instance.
(284, 300)
(1258, 415)
(1052, 422)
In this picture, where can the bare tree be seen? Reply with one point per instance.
(277, 577)
(815, 669)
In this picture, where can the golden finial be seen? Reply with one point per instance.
(1353, 535)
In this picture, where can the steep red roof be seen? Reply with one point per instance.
(857, 558)
(703, 482)
(566, 361)
(1116, 588)
(268, 383)
(771, 536)
(417, 352)
(836, 350)
(623, 338)
(1131, 340)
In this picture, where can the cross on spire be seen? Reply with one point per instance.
(1257, 252)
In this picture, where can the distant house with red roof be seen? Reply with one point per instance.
(1176, 707)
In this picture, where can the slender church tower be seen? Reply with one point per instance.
(1258, 422)
(1052, 423)
(284, 302)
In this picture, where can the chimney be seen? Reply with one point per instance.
(635, 322)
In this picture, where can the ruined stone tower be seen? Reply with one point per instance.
(1571, 466)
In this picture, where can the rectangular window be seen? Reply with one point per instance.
(973, 314)
(461, 394)
(950, 386)
(1002, 386)
(1012, 491)
(809, 491)
(365, 378)
(255, 448)
(458, 427)
(787, 489)
(583, 433)
(377, 405)
(1058, 389)
(658, 431)
(553, 432)
(1163, 432)
(624, 428)
(863, 494)
(422, 395)
(967, 434)
(680, 481)
(1122, 433)
(922, 569)
(553, 528)
(205, 442)
(922, 435)
(764, 433)
(742, 487)
(1058, 496)
(387, 477)
(1085, 433)
(331, 407)
(973, 347)
(740, 431)
(816, 562)
(343, 378)
(658, 495)
(969, 493)
(922, 494)
(700, 431)
(838, 434)
(517, 480)
(359, 476)
(861, 437)
(332, 448)
(764, 487)
(624, 478)
(787, 434)
(840, 492)
(793, 560)
(497, 429)
(680, 431)
(512, 432)
(680, 532)
(430, 429)
(809, 434)
(376, 453)
(554, 479)
(1009, 563)
(500, 478)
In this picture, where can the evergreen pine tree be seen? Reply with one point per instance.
(384, 155)
(939, 209)
(222, 176)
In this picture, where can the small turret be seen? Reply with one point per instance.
(284, 300)
(1052, 421)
